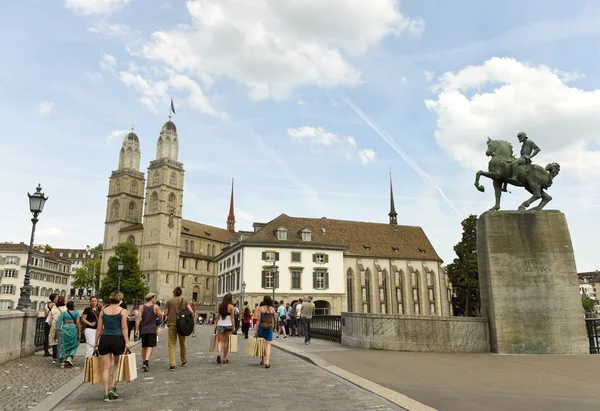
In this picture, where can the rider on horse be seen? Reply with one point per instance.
(528, 151)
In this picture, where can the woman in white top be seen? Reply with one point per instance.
(224, 327)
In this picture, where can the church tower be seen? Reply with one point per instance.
(159, 261)
(125, 196)
(393, 214)
(231, 216)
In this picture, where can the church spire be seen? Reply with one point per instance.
(231, 216)
(393, 214)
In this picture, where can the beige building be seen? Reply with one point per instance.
(345, 265)
(173, 251)
(77, 257)
(49, 275)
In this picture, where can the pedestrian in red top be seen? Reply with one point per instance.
(246, 319)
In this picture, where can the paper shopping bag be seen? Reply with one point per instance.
(92, 370)
(255, 347)
(250, 345)
(127, 367)
(213, 342)
(233, 343)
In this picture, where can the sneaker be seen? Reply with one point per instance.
(277, 337)
(47, 354)
(54, 361)
(70, 362)
(113, 393)
(145, 367)
(284, 337)
(306, 342)
(157, 339)
(193, 335)
(172, 368)
(183, 364)
(106, 398)
(62, 365)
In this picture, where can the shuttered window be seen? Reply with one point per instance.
(320, 280)
(320, 258)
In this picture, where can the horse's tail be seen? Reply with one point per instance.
(553, 169)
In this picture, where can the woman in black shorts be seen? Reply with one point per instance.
(112, 326)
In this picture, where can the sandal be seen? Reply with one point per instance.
(219, 359)
(225, 361)
(267, 365)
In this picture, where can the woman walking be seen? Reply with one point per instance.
(112, 325)
(146, 327)
(89, 318)
(56, 311)
(265, 327)
(246, 320)
(68, 330)
(131, 318)
(224, 327)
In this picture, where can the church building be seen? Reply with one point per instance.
(149, 213)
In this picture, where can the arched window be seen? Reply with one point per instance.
(208, 249)
(168, 279)
(197, 263)
(208, 266)
(154, 202)
(183, 281)
(172, 202)
(173, 179)
(367, 296)
(118, 186)
(185, 246)
(349, 293)
(383, 292)
(131, 239)
(156, 177)
(214, 250)
(183, 263)
(192, 246)
(134, 187)
(131, 214)
(114, 212)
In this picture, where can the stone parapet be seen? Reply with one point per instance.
(11, 324)
(415, 333)
(528, 283)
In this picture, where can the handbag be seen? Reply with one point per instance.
(233, 343)
(213, 343)
(127, 367)
(92, 369)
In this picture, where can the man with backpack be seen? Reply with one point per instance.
(173, 305)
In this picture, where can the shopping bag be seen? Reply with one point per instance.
(92, 369)
(213, 343)
(250, 346)
(233, 343)
(127, 367)
(255, 347)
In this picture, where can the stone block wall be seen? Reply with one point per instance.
(415, 333)
(11, 324)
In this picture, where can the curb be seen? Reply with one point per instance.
(390, 395)
(54, 399)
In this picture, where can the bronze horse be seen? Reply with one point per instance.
(533, 178)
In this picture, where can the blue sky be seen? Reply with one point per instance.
(307, 103)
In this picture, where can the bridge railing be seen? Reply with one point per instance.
(326, 327)
(593, 331)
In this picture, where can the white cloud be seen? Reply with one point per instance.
(94, 76)
(243, 215)
(53, 232)
(272, 47)
(345, 145)
(107, 29)
(504, 96)
(428, 76)
(567, 77)
(45, 108)
(108, 63)
(89, 7)
(114, 135)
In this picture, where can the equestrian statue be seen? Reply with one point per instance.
(505, 169)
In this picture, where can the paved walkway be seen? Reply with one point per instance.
(463, 382)
(26, 381)
(241, 384)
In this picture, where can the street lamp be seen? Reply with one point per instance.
(243, 290)
(120, 267)
(275, 274)
(89, 253)
(36, 205)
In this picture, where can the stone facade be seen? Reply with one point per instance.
(526, 260)
(416, 333)
(172, 251)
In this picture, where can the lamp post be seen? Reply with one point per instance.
(243, 290)
(36, 205)
(89, 253)
(275, 274)
(120, 267)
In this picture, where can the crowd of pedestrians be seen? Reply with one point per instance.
(107, 330)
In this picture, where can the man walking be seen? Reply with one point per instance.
(53, 298)
(308, 311)
(299, 325)
(174, 304)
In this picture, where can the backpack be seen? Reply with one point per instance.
(185, 320)
(267, 321)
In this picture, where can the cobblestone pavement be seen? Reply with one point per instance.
(242, 384)
(26, 381)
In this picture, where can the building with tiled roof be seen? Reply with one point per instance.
(78, 257)
(345, 265)
(49, 274)
(172, 251)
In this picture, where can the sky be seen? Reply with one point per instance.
(308, 104)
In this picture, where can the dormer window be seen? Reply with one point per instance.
(306, 234)
(396, 249)
(281, 233)
(366, 247)
(422, 251)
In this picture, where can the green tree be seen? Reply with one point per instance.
(587, 303)
(88, 275)
(463, 271)
(132, 286)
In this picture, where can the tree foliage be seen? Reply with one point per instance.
(132, 285)
(88, 275)
(463, 271)
(587, 303)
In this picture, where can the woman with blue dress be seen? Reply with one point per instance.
(68, 330)
(267, 321)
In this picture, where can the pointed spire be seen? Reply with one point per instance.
(231, 216)
(393, 214)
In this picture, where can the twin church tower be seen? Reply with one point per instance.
(172, 251)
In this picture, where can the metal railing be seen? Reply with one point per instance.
(593, 331)
(326, 327)
(40, 324)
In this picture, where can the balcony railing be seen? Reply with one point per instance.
(326, 327)
(593, 331)
(40, 325)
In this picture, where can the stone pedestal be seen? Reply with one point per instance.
(28, 335)
(528, 282)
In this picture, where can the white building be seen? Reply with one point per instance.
(77, 258)
(588, 290)
(49, 275)
(345, 265)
